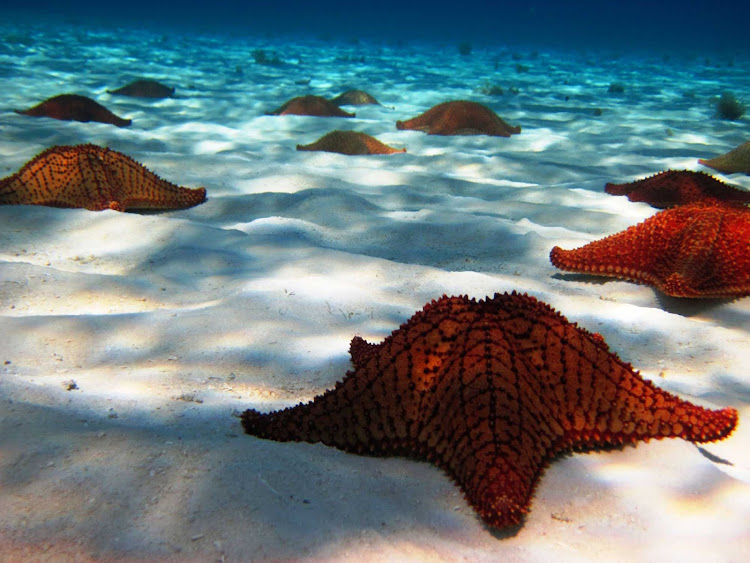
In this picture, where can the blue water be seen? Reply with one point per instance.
(694, 26)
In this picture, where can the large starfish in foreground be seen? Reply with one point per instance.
(490, 391)
(94, 178)
(72, 107)
(678, 187)
(696, 250)
(460, 118)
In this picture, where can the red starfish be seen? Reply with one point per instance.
(490, 391)
(94, 178)
(72, 107)
(310, 105)
(460, 118)
(678, 187)
(350, 143)
(696, 250)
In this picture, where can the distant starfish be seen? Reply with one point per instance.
(460, 118)
(144, 89)
(736, 160)
(310, 105)
(354, 98)
(72, 107)
(349, 143)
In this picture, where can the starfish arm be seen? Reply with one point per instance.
(503, 495)
(489, 427)
(358, 415)
(596, 398)
(630, 254)
(133, 186)
(329, 419)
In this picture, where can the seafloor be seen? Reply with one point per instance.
(168, 324)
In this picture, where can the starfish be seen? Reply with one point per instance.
(349, 142)
(144, 89)
(696, 250)
(72, 107)
(93, 178)
(460, 118)
(678, 187)
(310, 105)
(736, 160)
(355, 98)
(490, 391)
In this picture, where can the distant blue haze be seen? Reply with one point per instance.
(694, 26)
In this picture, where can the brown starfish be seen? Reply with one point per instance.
(460, 118)
(144, 89)
(350, 143)
(94, 178)
(696, 250)
(736, 160)
(310, 105)
(354, 98)
(72, 107)
(490, 391)
(678, 187)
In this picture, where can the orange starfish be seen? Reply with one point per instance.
(310, 105)
(350, 143)
(144, 89)
(94, 178)
(490, 391)
(72, 107)
(736, 160)
(696, 250)
(678, 187)
(460, 118)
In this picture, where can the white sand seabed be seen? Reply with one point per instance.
(171, 323)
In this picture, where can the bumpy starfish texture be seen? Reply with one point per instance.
(72, 107)
(144, 89)
(355, 98)
(460, 118)
(310, 105)
(678, 187)
(736, 160)
(93, 178)
(696, 250)
(490, 391)
(350, 143)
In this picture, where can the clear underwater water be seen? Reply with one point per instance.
(695, 26)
